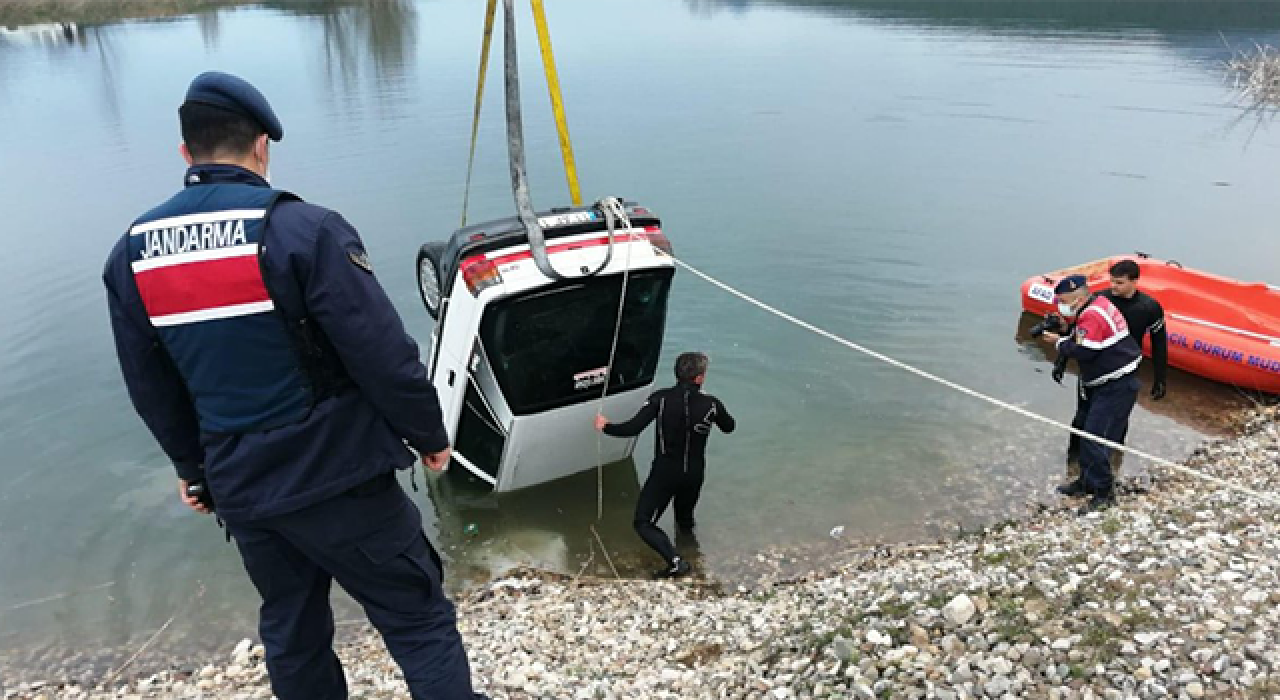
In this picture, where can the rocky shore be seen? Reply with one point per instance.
(1175, 593)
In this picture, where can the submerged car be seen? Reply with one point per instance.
(519, 357)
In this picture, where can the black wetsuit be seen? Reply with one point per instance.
(1144, 315)
(684, 415)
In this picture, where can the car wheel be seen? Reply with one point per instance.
(429, 277)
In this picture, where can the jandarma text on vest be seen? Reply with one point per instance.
(193, 236)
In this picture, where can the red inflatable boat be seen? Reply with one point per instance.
(1219, 328)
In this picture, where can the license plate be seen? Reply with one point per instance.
(575, 217)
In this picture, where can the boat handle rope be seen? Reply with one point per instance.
(1268, 498)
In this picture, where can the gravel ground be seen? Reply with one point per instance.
(1174, 593)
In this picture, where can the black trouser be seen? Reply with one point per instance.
(1106, 414)
(1078, 421)
(370, 541)
(666, 482)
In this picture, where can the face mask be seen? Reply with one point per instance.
(1065, 309)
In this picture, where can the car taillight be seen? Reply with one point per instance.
(658, 239)
(480, 273)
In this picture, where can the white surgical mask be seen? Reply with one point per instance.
(1065, 309)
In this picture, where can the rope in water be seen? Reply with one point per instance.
(1169, 464)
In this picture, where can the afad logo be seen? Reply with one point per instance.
(1040, 292)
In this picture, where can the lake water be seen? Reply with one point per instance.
(888, 171)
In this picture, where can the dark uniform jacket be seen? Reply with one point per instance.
(314, 265)
(1100, 342)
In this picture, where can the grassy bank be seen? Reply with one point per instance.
(1256, 77)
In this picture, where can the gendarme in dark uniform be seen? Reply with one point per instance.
(1100, 342)
(1144, 316)
(267, 361)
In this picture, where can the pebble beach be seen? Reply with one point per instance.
(1173, 593)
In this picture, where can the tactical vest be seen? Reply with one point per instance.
(1103, 331)
(197, 263)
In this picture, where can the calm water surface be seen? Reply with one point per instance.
(889, 171)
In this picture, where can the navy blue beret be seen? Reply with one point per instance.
(235, 94)
(1071, 283)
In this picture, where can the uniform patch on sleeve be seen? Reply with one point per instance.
(360, 259)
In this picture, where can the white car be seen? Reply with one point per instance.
(519, 358)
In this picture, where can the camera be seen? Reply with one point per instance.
(199, 491)
(1051, 323)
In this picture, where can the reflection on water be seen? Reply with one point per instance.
(210, 24)
(52, 34)
(547, 527)
(1206, 31)
(1037, 15)
(384, 31)
(359, 37)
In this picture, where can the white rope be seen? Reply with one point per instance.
(1264, 497)
(613, 212)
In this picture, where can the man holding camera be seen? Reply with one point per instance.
(1099, 340)
(266, 359)
(1144, 315)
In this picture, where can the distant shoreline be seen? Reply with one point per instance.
(18, 13)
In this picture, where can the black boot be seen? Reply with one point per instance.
(1099, 503)
(678, 568)
(1074, 488)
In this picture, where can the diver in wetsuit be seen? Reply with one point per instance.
(684, 415)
